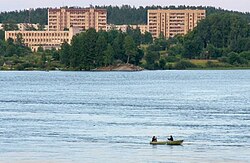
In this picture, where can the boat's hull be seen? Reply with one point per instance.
(175, 142)
(158, 142)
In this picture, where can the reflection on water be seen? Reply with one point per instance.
(110, 116)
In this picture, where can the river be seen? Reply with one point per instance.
(111, 116)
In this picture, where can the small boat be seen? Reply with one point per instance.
(175, 142)
(158, 142)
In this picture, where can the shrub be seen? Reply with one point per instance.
(184, 64)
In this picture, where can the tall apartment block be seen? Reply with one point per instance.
(64, 18)
(173, 22)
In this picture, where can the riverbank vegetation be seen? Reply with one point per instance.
(221, 41)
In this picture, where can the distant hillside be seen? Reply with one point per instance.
(116, 15)
(39, 15)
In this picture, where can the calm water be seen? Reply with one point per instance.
(111, 116)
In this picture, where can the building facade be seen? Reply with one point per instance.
(173, 22)
(64, 18)
(45, 39)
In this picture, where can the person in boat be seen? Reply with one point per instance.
(171, 138)
(154, 139)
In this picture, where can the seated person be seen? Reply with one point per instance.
(154, 139)
(171, 138)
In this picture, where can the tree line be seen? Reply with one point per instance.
(217, 36)
(91, 49)
(124, 14)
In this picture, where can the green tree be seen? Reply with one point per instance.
(101, 46)
(118, 46)
(176, 49)
(109, 55)
(138, 57)
(245, 54)
(88, 49)
(2, 35)
(77, 53)
(151, 58)
(184, 64)
(192, 48)
(135, 34)
(235, 59)
(161, 42)
(147, 38)
(65, 54)
(43, 60)
(10, 27)
(40, 49)
(162, 64)
(55, 55)
(10, 48)
(3, 46)
(130, 48)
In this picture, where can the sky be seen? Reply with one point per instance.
(11, 5)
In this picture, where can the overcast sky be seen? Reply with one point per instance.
(10, 5)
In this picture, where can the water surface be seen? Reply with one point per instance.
(111, 116)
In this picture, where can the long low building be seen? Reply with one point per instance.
(45, 39)
(143, 28)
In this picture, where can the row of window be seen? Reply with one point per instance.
(42, 45)
(40, 34)
(77, 12)
(176, 31)
(176, 13)
(45, 40)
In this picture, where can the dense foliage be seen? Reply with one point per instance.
(224, 33)
(92, 49)
(39, 15)
(116, 15)
(2, 35)
(9, 48)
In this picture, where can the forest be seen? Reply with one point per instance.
(92, 49)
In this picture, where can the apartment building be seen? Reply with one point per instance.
(64, 18)
(173, 22)
(63, 24)
(45, 39)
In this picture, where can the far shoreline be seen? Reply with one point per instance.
(188, 69)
